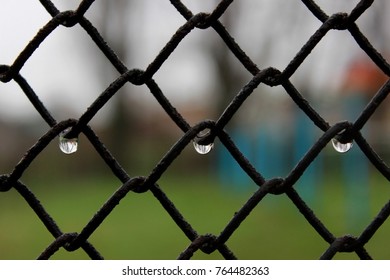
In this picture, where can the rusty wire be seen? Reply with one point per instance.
(344, 131)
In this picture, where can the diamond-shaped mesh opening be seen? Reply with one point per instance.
(268, 183)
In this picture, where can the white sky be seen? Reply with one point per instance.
(56, 70)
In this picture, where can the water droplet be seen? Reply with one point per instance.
(202, 149)
(67, 146)
(341, 147)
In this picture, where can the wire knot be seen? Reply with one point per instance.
(5, 184)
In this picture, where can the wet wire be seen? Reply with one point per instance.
(345, 131)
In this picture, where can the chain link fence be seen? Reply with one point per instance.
(202, 134)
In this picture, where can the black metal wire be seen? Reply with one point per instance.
(344, 131)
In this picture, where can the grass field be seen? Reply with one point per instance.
(139, 228)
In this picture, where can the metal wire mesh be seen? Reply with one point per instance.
(345, 132)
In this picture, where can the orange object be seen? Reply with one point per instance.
(363, 76)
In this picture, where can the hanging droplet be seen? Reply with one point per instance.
(341, 147)
(67, 146)
(202, 149)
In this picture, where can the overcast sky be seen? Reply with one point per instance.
(63, 72)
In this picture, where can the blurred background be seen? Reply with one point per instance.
(200, 78)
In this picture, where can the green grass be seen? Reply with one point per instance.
(139, 228)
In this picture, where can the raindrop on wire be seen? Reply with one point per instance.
(67, 146)
(341, 147)
(202, 149)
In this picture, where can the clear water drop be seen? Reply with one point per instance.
(67, 146)
(341, 147)
(202, 149)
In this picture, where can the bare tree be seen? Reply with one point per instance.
(114, 27)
